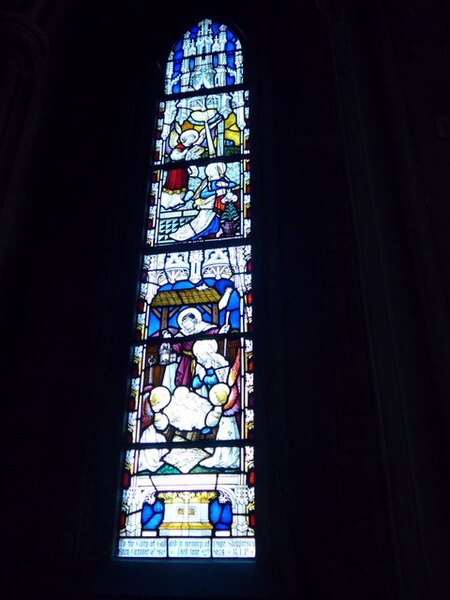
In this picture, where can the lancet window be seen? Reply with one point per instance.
(188, 462)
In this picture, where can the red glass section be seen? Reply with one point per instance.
(126, 479)
(251, 519)
(251, 477)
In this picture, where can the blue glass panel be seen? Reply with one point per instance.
(205, 40)
(152, 515)
(227, 516)
(214, 511)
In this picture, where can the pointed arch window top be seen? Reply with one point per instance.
(209, 55)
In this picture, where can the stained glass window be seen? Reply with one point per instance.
(188, 467)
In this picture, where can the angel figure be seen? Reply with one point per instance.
(187, 146)
(154, 422)
(226, 399)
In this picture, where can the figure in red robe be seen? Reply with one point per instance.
(176, 183)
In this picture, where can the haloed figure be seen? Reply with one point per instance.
(211, 367)
(190, 322)
(175, 188)
(209, 201)
(154, 421)
(225, 457)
